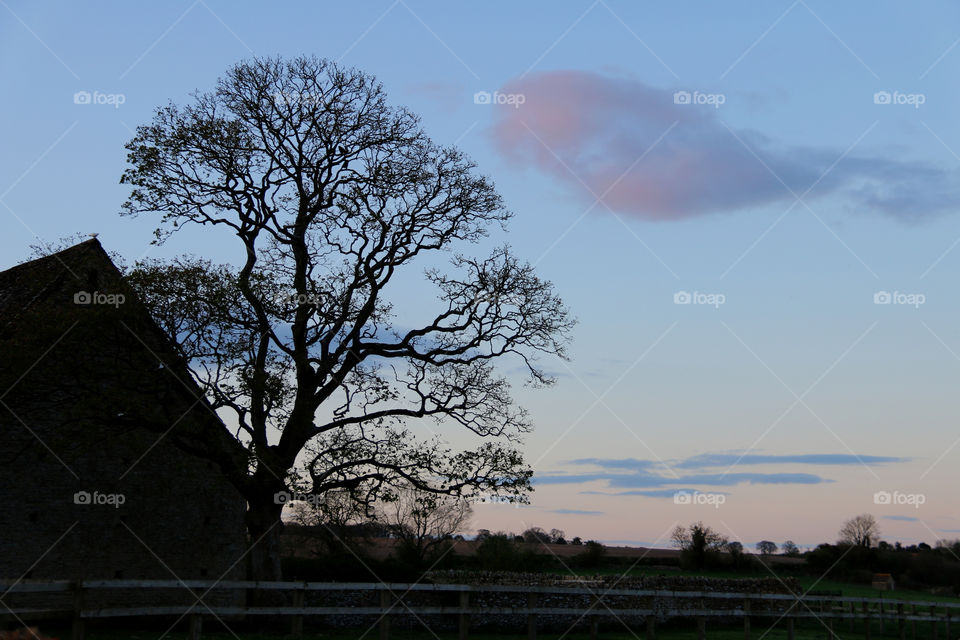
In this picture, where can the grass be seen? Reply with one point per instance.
(807, 583)
(853, 590)
(664, 571)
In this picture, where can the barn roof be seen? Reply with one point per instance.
(41, 280)
(79, 344)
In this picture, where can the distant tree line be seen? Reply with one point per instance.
(424, 528)
(858, 554)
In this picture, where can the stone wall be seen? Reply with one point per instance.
(87, 492)
(516, 623)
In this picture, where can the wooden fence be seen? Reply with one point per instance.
(660, 605)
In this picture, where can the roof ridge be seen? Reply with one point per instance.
(85, 245)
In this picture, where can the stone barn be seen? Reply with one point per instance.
(882, 582)
(103, 467)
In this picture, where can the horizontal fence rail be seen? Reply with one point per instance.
(656, 605)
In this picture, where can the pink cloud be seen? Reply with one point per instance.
(658, 160)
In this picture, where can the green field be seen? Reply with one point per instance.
(807, 583)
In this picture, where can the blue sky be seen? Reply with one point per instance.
(803, 200)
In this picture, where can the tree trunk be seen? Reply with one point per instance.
(263, 529)
(263, 554)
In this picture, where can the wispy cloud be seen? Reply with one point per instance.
(651, 478)
(727, 458)
(631, 464)
(589, 129)
(901, 518)
(576, 512)
(651, 493)
(707, 460)
(638, 480)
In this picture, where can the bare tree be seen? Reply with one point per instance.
(766, 547)
(424, 522)
(789, 548)
(697, 542)
(537, 535)
(735, 549)
(861, 531)
(329, 192)
(335, 521)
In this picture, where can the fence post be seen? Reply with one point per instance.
(595, 619)
(852, 618)
(828, 620)
(384, 617)
(296, 627)
(947, 623)
(791, 619)
(651, 627)
(901, 623)
(866, 620)
(933, 622)
(532, 600)
(881, 617)
(913, 623)
(702, 622)
(746, 618)
(79, 597)
(196, 625)
(463, 621)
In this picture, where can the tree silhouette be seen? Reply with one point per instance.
(697, 542)
(329, 193)
(860, 531)
(766, 547)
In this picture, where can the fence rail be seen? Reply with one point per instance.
(661, 604)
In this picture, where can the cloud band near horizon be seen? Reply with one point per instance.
(650, 477)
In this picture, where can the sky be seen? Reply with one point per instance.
(751, 208)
